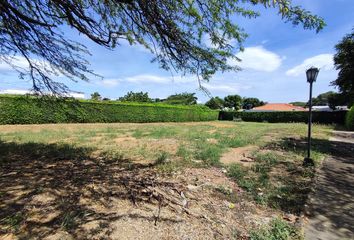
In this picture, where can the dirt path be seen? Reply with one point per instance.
(331, 207)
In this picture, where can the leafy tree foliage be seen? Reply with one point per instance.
(248, 103)
(135, 97)
(337, 99)
(96, 96)
(157, 100)
(330, 98)
(173, 30)
(182, 99)
(321, 99)
(299, 104)
(215, 103)
(349, 121)
(233, 101)
(344, 62)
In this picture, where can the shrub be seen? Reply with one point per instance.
(285, 117)
(349, 120)
(34, 110)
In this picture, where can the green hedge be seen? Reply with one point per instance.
(284, 117)
(32, 110)
(349, 121)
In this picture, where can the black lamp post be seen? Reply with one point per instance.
(311, 75)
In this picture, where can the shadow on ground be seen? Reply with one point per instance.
(48, 187)
(331, 204)
(299, 145)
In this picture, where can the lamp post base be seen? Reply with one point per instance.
(308, 162)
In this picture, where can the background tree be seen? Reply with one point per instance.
(171, 30)
(96, 96)
(215, 103)
(158, 100)
(337, 99)
(248, 103)
(233, 101)
(299, 104)
(135, 97)
(344, 62)
(182, 99)
(321, 99)
(330, 98)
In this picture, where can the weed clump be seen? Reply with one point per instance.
(278, 229)
(162, 158)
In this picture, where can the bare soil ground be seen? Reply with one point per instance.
(108, 201)
(141, 181)
(242, 155)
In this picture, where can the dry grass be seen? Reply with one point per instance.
(99, 181)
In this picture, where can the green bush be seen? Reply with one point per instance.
(349, 120)
(34, 110)
(285, 117)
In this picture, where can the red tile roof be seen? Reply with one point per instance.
(279, 107)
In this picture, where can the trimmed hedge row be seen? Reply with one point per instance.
(285, 117)
(31, 110)
(349, 120)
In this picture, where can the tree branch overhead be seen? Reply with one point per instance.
(173, 30)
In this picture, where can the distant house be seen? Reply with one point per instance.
(328, 109)
(273, 107)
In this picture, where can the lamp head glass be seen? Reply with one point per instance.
(312, 74)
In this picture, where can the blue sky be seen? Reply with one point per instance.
(274, 61)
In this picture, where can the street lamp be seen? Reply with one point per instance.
(311, 75)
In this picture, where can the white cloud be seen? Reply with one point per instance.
(109, 82)
(225, 88)
(258, 58)
(207, 41)
(137, 46)
(322, 61)
(148, 78)
(219, 86)
(185, 79)
(15, 91)
(18, 61)
(145, 78)
(76, 95)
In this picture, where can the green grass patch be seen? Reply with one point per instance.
(277, 229)
(162, 158)
(208, 153)
(184, 152)
(13, 221)
(276, 180)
